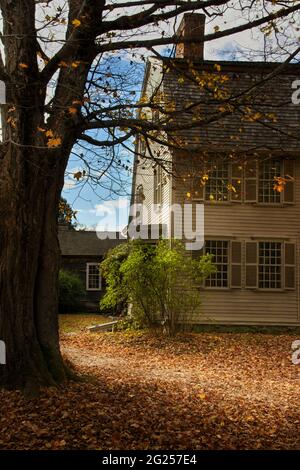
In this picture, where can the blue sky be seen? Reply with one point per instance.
(105, 201)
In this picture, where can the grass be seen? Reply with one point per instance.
(77, 322)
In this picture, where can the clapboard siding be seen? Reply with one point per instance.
(144, 169)
(235, 221)
(244, 221)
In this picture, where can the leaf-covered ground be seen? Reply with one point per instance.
(197, 391)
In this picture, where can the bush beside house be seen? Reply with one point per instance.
(71, 292)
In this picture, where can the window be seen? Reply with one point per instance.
(139, 195)
(93, 276)
(142, 146)
(218, 248)
(251, 181)
(269, 265)
(216, 188)
(268, 170)
(158, 185)
(251, 264)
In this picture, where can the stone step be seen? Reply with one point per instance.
(103, 326)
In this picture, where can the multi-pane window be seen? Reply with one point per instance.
(220, 250)
(139, 196)
(216, 188)
(158, 184)
(268, 171)
(269, 265)
(93, 277)
(251, 264)
(250, 181)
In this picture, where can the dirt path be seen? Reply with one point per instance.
(230, 383)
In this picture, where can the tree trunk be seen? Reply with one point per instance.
(29, 264)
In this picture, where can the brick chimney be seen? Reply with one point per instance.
(191, 27)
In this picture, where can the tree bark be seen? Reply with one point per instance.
(29, 264)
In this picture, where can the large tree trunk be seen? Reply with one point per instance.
(29, 264)
(31, 179)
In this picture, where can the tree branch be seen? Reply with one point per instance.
(208, 37)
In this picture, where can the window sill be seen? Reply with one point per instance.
(272, 204)
(252, 203)
(216, 288)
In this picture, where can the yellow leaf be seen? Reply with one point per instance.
(76, 22)
(188, 194)
(62, 63)
(23, 66)
(202, 396)
(217, 67)
(49, 133)
(54, 142)
(249, 418)
(216, 29)
(75, 64)
(72, 110)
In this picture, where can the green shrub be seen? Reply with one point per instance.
(159, 282)
(71, 291)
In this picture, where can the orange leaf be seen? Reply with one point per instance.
(54, 142)
(76, 22)
(72, 110)
(77, 175)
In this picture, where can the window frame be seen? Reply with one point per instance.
(257, 181)
(260, 181)
(87, 277)
(158, 184)
(224, 288)
(225, 189)
(243, 264)
(281, 265)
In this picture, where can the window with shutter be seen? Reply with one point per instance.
(216, 187)
(236, 188)
(268, 171)
(236, 264)
(197, 187)
(289, 175)
(270, 265)
(220, 250)
(251, 262)
(250, 181)
(289, 265)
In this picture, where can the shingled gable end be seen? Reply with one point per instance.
(229, 164)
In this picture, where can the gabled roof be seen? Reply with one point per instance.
(84, 243)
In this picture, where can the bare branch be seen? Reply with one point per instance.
(208, 37)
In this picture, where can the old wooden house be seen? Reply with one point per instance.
(81, 253)
(243, 164)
